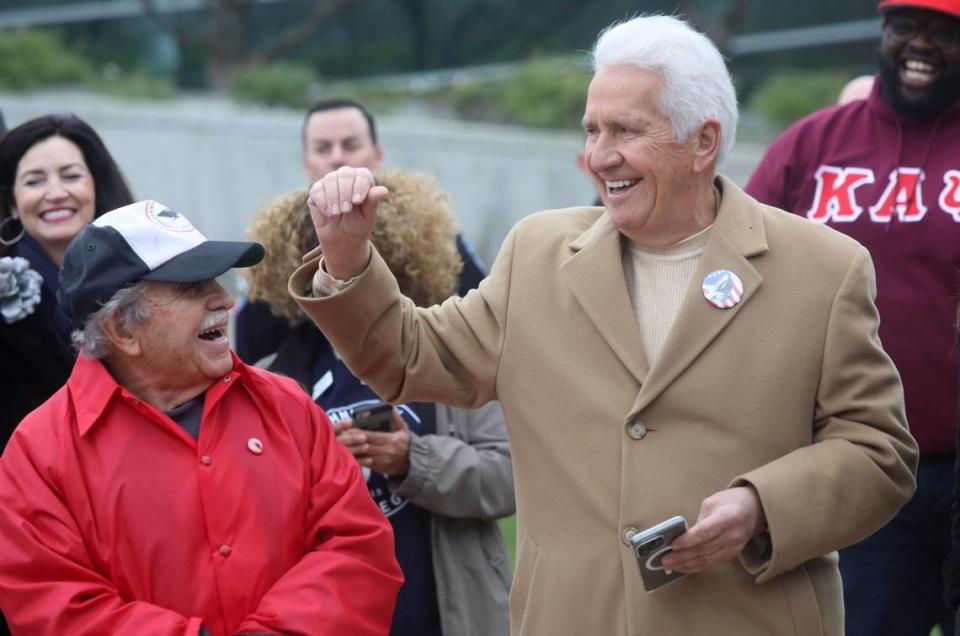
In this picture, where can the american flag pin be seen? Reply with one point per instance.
(722, 289)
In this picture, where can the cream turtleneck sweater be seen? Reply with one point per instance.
(657, 280)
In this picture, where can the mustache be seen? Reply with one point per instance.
(920, 54)
(214, 318)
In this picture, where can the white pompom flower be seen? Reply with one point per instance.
(19, 288)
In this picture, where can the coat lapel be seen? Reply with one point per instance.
(594, 274)
(737, 234)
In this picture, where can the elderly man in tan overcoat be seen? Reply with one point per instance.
(683, 350)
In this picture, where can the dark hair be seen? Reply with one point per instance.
(110, 188)
(336, 103)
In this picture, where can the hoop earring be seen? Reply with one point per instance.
(13, 241)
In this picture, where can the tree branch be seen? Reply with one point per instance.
(732, 19)
(183, 38)
(720, 31)
(532, 25)
(296, 34)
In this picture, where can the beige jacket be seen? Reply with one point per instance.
(789, 391)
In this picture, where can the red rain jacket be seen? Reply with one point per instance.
(114, 520)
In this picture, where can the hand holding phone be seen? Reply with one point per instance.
(651, 545)
(373, 417)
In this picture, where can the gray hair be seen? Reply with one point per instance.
(697, 84)
(125, 306)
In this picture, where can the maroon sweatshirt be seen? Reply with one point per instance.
(894, 185)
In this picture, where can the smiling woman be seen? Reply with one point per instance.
(56, 176)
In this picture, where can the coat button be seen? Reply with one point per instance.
(636, 430)
(628, 533)
(206, 460)
(225, 550)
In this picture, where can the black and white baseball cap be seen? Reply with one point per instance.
(141, 241)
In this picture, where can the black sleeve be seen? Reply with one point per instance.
(34, 364)
(474, 270)
(259, 332)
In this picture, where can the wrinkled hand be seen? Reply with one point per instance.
(343, 207)
(728, 520)
(386, 453)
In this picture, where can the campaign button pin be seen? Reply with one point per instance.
(255, 445)
(722, 288)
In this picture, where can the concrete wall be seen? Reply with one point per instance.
(216, 161)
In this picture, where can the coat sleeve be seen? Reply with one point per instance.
(473, 270)
(447, 353)
(469, 478)
(860, 468)
(347, 582)
(48, 582)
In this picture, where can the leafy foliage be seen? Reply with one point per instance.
(280, 84)
(135, 85)
(30, 59)
(542, 93)
(787, 96)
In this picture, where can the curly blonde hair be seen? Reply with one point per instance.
(415, 233)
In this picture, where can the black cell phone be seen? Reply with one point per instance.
(373, 417)
(651, 545)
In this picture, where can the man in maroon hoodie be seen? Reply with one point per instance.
(886, 171)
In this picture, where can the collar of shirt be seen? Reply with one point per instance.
(92, 389)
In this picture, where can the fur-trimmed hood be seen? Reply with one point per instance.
(415, 233)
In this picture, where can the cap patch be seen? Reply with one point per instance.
(168, 233)
(167, 218)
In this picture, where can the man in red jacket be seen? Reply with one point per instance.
(886, 171)
(168, 488)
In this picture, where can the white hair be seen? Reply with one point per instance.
(125, 306)
(697, 84)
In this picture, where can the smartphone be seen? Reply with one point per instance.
(651, 545)
(373, 417)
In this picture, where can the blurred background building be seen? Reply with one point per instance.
(201, 100)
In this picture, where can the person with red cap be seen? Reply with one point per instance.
(885, 171)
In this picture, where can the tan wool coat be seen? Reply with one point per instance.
(789, 391)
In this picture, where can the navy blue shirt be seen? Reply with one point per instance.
(339, 393)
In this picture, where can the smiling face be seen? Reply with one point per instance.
(644, 176)
(920, 61)
(338, 137)
(183, 347)
(53, 194)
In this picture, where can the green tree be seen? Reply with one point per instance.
(31, 59)
(223, 39)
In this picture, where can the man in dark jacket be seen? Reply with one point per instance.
(885, 171)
